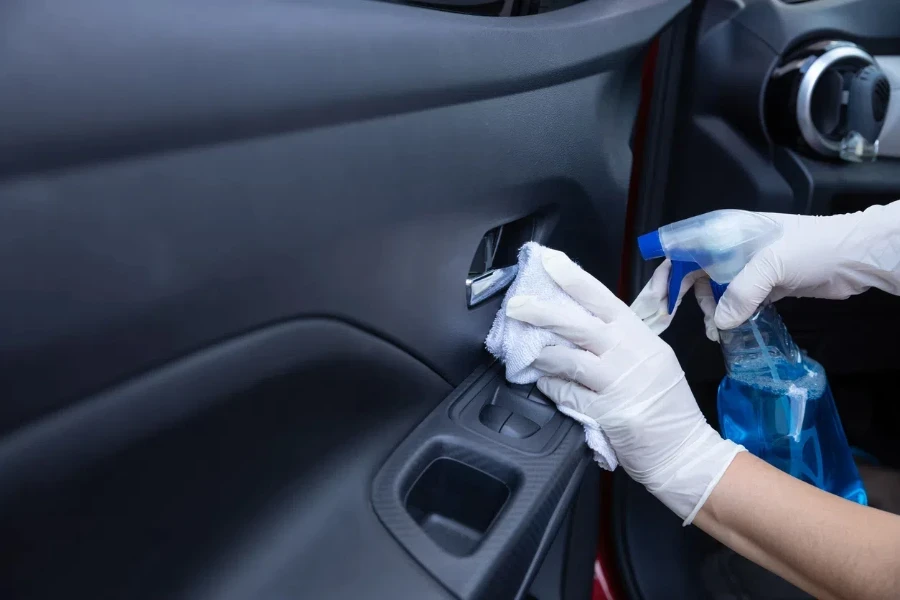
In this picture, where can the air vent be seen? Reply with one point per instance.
(880, 99)
(829, 98)
(491, 8)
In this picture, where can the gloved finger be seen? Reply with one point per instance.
(593, 372)
(566, 394)
(577, 326)
(582, 287)
(749, 289)
(704, 295)
(652, 304)
(654, 294)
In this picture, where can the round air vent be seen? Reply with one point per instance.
(822, 93)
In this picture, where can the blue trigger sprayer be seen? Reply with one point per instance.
(774, 399)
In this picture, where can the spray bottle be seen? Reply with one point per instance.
(774, 399)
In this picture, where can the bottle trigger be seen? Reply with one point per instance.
(680, 270)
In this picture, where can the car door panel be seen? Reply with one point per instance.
(239, 471)
(235, 239)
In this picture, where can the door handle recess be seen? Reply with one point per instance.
(499, 246)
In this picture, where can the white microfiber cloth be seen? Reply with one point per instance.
(517, 344)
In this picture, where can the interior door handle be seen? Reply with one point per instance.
(488, 284)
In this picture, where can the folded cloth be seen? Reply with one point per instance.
(517, 344)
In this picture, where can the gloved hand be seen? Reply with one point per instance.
(818, 257)
(626, 381)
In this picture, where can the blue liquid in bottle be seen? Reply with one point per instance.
(777, 403)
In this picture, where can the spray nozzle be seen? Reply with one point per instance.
(721, 243)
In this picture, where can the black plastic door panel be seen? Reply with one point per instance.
(234, 239)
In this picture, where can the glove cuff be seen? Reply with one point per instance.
(686, 483)
(733, 451)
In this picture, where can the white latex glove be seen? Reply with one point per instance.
(627, 382)
(652, 304)
(818, 257)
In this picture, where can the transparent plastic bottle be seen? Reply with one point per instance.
(775, 400)
(777, 403)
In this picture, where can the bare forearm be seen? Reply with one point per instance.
(828, 546)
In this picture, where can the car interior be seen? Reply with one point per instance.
(736, 142)
(251, 251)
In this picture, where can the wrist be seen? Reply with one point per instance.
(685, 483)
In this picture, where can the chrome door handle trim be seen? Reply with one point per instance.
(482, 287)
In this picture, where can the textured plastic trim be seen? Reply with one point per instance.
(542, 488)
